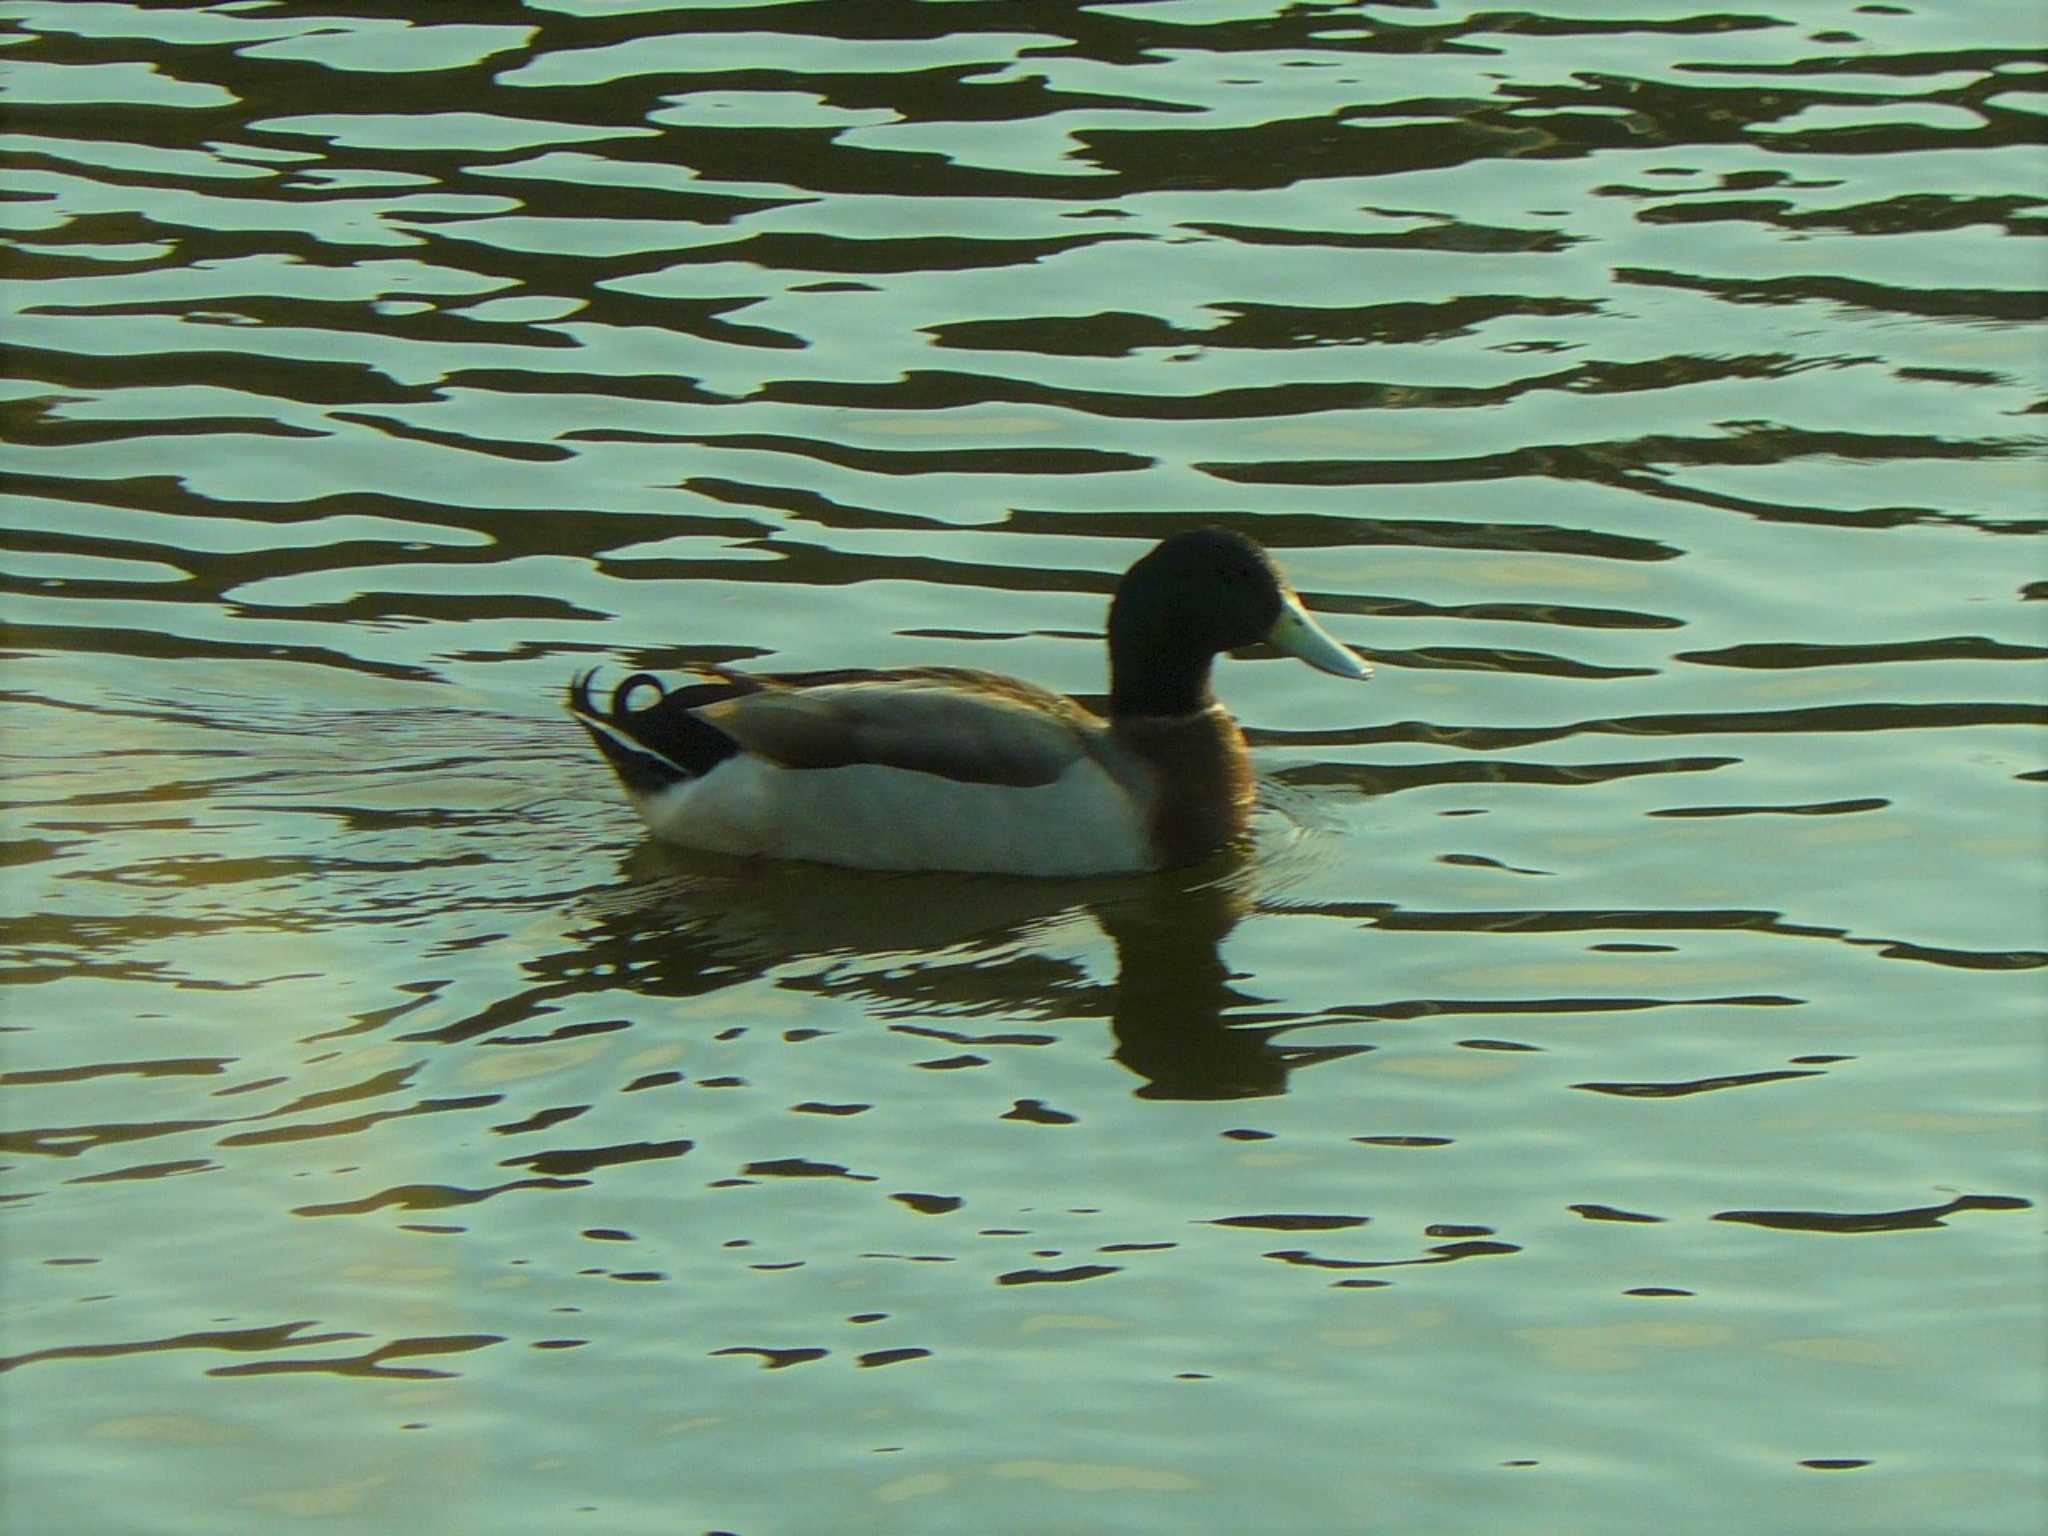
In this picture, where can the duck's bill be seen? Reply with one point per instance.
(1301, 636)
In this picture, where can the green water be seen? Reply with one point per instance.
(1606, 1095)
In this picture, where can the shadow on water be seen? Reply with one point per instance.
(938, 947)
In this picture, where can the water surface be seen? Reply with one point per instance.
(1604, 1096)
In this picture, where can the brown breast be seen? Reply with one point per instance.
(1203, 778)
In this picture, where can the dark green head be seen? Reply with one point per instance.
(1199, 593)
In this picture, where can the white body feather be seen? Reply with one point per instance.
(871, 817)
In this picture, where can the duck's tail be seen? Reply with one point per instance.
(663, 743)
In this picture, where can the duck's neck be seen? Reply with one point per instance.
(1154, 674)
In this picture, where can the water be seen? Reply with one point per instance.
(1605, 1097)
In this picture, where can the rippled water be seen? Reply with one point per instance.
(1605, 1098)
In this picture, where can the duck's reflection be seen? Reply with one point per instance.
(1175, 999)
(939, 948)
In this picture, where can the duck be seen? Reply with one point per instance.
(941, 768)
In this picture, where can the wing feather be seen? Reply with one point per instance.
(973, 727)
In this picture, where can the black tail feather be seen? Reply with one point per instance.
(663, 743)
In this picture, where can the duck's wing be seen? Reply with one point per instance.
(973, 727)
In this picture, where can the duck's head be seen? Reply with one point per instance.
(1199, 593)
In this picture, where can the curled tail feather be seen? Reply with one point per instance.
(660, 744)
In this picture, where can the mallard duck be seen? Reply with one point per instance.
(946, 768)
